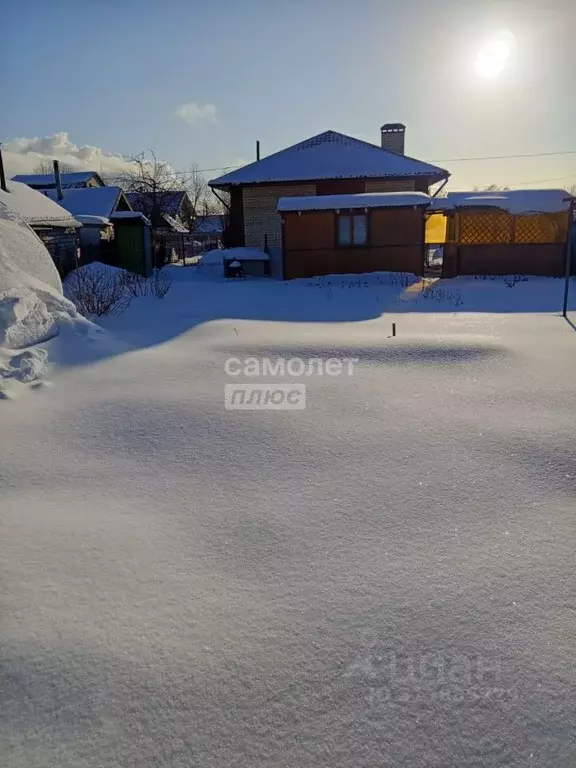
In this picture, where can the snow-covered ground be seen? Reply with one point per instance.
(385, 578)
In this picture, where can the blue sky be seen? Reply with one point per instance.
(113, 74)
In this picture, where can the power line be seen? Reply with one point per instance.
(504, 157)
(449, 160)
(543, 181)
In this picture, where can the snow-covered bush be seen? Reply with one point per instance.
(134, 284)
(97, 289)
(160, 283)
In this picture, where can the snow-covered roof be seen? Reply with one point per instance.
(330, 155)
(35, 208)
(130, 215)
(362, 200)
(515, 201)
(94, 201)
(208, 225)
(47, 181)
(174, 224)
(169, 201)
(100, 221)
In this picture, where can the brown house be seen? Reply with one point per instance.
(328, 164)
(344, 234)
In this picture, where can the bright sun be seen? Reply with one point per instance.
(493, 57)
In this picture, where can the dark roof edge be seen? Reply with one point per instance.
(435, 176)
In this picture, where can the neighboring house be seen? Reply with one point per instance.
(170, 212)
(75, 179)
(176, 204)
(53, 224)
(347, 234)
(91, 201)
(328, 164)
(99, 208)
(209, 230)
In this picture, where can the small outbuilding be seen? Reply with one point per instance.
(505, 232)
(354, 233)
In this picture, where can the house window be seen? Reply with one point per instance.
(352, 229)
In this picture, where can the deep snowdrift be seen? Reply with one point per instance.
(32, 307)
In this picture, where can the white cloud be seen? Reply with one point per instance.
(23, 155)
(193, 113)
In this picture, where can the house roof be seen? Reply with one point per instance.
(35, 208)
(208, 225)
(330, 155)
(170, 201)
(362, 200)
(515, 201)
(47, 181)
(92, 201)
(130, 215)
(173, 224)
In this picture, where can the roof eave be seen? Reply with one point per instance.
(433, 178)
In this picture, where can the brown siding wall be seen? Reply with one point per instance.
(396, 226)
(545, 260)
(353, 261)
(396, 244)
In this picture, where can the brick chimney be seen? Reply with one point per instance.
(393, 135)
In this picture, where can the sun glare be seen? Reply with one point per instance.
(493, 58)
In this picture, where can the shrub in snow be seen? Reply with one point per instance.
(134, 284)
(97, 289)
(160, 283)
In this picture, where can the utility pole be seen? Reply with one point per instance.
(58, 180)
(569, 247)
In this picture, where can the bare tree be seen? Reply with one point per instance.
(492, 188)
(154, 181)
(47, 167)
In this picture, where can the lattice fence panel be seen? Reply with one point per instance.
(537, 228)
(485, 229)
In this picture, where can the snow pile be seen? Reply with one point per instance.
(244, 254)
(32, 306)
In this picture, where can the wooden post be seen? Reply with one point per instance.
(568, 270)
(58, 180)
(393, 329)
(257, 150)
(3, 184)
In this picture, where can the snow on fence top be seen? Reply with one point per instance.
(360, 200)
(35, 208)
(514, 201)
